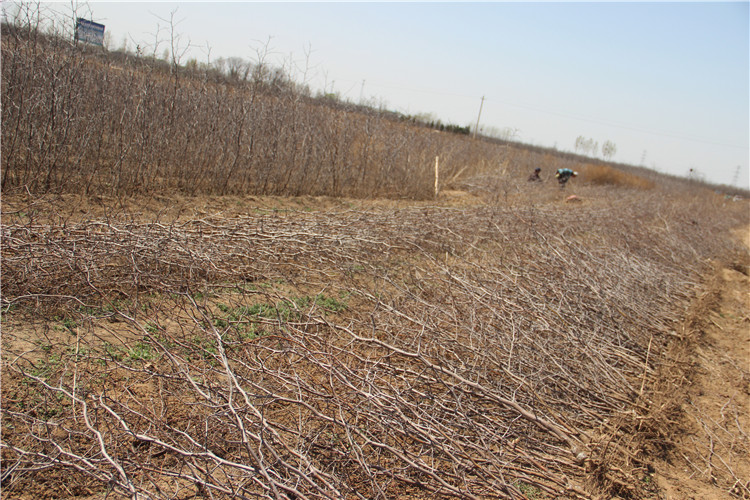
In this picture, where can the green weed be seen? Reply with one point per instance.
(250, 332)
(331, 303)
(45, 367)
(140, 351)
(207, 347)
(78, 351)
(529, 490)
(113, 352)
(68, 324)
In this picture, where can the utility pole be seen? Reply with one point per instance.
(361, 91)
(736, 177)
(476, 129)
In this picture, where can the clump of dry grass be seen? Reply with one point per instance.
(604, 175)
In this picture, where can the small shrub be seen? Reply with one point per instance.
(604, 175)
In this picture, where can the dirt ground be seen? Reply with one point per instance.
(711, 457)
(710, 453)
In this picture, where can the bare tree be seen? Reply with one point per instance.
(608, 150)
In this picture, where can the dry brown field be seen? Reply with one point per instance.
(470, 346)
(215, 287)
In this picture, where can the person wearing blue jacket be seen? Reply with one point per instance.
(563, 175)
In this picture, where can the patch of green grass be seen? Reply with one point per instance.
(93, 311)
(113, 352)
(331, 303)
(259, 310)
(286, 309)
(83, 351)
(46, 412)
(151, 328)
(141, 351)
(250, 331)
(165, 341)
(206, 346)
(529, 490)
(45, 367)
(66, 323)
(244, 319)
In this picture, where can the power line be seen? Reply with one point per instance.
(394, 86)
(566, 115)
(622, 126)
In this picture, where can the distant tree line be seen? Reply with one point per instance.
(589, 146)
(431, 122)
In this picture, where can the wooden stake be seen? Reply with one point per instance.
(437, 189)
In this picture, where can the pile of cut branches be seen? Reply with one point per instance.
(485, 352)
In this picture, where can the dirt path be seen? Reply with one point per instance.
(711, 459)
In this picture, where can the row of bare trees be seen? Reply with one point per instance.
(75, 119)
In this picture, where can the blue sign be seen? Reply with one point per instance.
(89, 32)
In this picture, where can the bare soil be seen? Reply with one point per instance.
(711, 454)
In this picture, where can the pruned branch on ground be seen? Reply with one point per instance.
(489, 352)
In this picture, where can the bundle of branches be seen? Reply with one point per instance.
(475, 353)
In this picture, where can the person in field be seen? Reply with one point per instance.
(563, 175)
(535, 176)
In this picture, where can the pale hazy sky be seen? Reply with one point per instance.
(668, 83)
